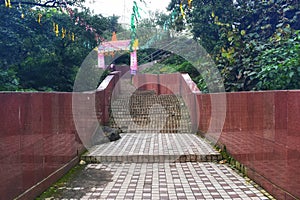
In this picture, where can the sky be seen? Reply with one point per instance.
(123, 8)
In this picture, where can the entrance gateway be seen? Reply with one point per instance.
(118, 45)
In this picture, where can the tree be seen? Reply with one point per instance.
(240, 36)
(46, 4)
(44, 48)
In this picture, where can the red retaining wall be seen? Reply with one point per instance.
(259, 129)
(147, 82)
(39, 140)
(124, 70)
(262, 131)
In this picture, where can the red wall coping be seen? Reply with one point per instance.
(105, 83)
(190, 84)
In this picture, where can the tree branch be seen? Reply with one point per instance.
(48, 4)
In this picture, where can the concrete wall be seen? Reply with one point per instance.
(39, 140)
(259, 129)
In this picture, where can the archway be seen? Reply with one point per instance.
(114, 45)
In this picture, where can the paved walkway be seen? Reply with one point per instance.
(190, 180)
(165, 166)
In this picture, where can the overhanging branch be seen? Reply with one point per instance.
(48, 4)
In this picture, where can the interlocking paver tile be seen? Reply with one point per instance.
(125, 150)
(146, 189)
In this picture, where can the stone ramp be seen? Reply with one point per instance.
(154, 147)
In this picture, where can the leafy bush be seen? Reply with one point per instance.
(8, 80)
(255, 44)
(280, 66)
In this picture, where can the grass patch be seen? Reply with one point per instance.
(53, 189)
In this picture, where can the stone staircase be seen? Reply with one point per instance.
(146, 112)
(156, 129)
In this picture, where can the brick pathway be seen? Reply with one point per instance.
(190, 180)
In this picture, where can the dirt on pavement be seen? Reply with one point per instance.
(78, 183)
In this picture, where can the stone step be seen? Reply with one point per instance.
(153, 130)
(152, 158)
(153, 147)
(145, 111)
(124, 104)
(149, 118)
(180, 125)
(144, 114)
(149, 124)
(152, 118)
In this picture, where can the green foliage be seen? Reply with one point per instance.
(34, 58)
(8, 80)
(114, 26)
(255, 44)
(280, 66)
(154, 19)
(160, 69)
